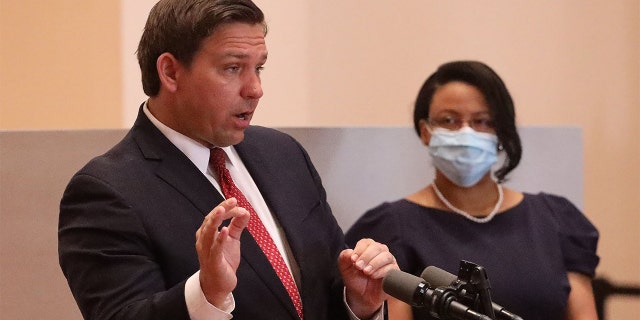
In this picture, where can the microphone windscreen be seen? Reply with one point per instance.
(401, 285)
(437, 277)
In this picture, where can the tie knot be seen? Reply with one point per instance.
(217, 160)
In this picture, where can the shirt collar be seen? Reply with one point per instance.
(195, 151)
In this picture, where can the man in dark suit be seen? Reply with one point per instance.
(144, 230)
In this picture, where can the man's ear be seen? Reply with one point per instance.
(167, 66)
(425, 135)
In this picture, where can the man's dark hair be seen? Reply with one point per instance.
(180, 26)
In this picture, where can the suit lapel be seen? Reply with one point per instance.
(260, 170)
(266, 169)
(174, 167)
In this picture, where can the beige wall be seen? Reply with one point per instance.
(59, 64)
(64, 65)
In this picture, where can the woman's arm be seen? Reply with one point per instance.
(399, 310)
(581, 304)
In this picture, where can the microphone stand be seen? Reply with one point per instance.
(472, 286)
(444, 305)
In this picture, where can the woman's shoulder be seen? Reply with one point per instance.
(384, 219)
(387, 210)
(557, 208)
(550, 201)
(401, 208)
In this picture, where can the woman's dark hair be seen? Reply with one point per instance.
(179, 27)
(482, 77)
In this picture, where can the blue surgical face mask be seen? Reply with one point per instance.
(464, 156)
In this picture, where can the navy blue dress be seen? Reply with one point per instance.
(526, 250)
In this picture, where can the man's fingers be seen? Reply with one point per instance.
(238, 223)
(228, 205)
(207, 231)
(221, 237)
(366, 249)
(380, 265)
(373, 258)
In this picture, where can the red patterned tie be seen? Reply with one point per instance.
(256, 228)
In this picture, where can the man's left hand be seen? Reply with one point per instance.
(362, 269)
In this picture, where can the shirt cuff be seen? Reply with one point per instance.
(198, 306)
(379, 315)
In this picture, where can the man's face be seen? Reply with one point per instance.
(218, 93)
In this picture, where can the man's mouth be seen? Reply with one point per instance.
(242, 116)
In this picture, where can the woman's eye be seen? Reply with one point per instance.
(448, 120)
(484, 122)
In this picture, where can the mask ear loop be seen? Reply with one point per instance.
(428, 127)
(425, 125)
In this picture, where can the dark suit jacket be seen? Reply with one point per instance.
(128, 221)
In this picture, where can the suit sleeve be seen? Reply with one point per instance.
(107, 258)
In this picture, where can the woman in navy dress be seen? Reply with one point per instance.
(539, 250)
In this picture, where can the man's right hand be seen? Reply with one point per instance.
(219, 251)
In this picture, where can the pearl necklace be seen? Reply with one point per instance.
(464, 213)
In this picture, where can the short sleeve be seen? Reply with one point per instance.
(578, 236)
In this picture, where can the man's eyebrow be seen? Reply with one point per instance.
(240, 55)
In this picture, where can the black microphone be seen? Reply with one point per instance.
(437, 277)
(415, 292)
